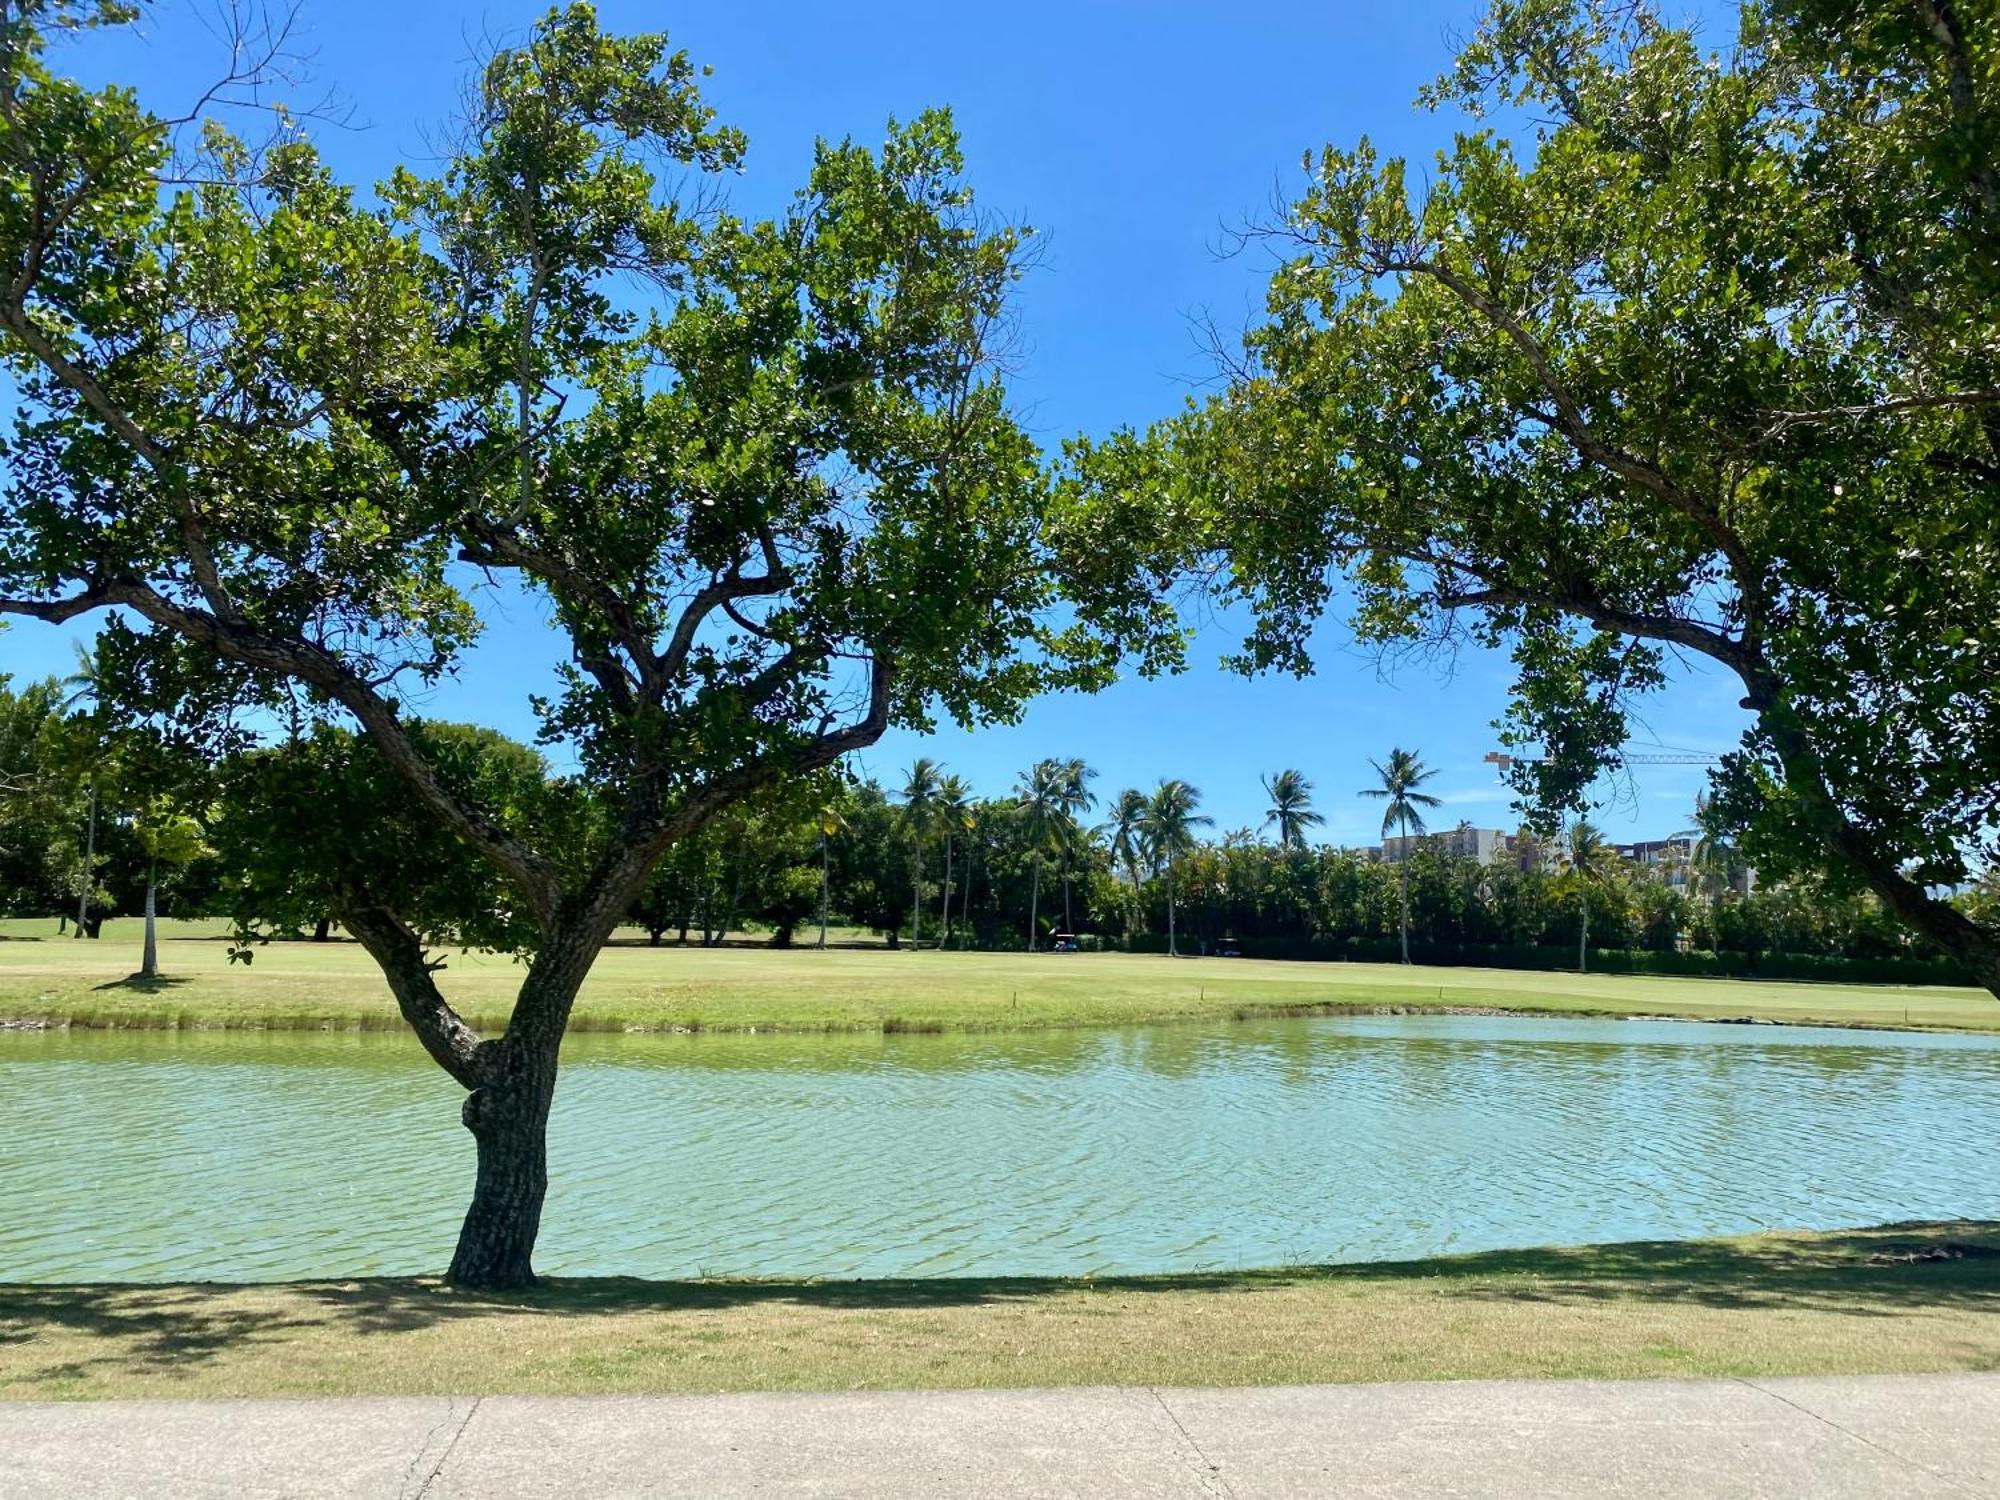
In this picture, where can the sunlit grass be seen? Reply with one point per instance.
(1878, 1301)
(57, 980)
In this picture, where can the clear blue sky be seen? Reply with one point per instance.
(1130, 133)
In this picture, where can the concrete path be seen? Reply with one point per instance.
(1912, 1436)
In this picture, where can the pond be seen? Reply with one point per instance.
(162, 1156)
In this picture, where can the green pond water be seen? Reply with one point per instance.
(162, 1156)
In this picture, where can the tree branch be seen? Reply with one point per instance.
(1783, 420)
(724, 590)
(531, 874)
(490, 546)
(194, 537)
(452, 1044)
(1940, 18)
(1584, 438)
(1693, 634)
(650, 832)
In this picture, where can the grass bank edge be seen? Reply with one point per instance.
(589, 1023)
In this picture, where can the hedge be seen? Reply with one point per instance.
(1721, 965)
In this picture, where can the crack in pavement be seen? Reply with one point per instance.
(1887, 1452)
(410, 1469)
(1207, 1474)
(449, 1448)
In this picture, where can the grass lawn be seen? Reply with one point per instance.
(1909, 1298)
(45, 978)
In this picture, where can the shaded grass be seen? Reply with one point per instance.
(1896, 1299)
(45, 979)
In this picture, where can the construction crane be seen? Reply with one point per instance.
(1505, 763)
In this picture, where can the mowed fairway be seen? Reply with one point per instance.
(58, 980)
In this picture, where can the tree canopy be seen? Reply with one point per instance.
(1675, 355)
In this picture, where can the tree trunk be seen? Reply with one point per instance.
(509, 1125)
(507, 1111)
(89, 864)
(728, 922)
(825, 885)
(1583, 935)
(1172, 951)
(1403, 914)
(944, 907)
(1034, 901)
(323, 930)
(1956, 934)
(149, 961)
(916, 894)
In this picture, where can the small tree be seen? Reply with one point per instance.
(1074, 800)
(1126, 834)
(171, 837)
(829, 820)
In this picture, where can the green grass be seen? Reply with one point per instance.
(1900, 1299)
(45, 979)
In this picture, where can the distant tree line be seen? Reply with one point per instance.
(261, 837)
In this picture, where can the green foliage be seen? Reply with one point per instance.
(42, 802)
(1291, 807)
(316, 827)
(789, 455)
(1706, 365)
(1170, 820)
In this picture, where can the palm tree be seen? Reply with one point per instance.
(1076, 800)
(1126, 833)
(1711, 857)
(1041, 795)
(830, 821)
(1291, 808)
(920, 794)
(953, 809)
(86, 685)
(1588, 860)
(1401, 777)
(1170, 821)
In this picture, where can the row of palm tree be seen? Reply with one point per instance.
(1148, 832)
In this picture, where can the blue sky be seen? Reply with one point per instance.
(1131, 133)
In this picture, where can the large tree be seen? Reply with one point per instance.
(1706, 365)
(762, 473)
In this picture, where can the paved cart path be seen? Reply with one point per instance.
(1904, 1436)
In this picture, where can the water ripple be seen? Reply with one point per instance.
(141, 1156)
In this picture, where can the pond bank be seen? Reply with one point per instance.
(586, 1024)
(1906, 1298)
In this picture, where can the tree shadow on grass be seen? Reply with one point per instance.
(145, 984)
(1867, 1273)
